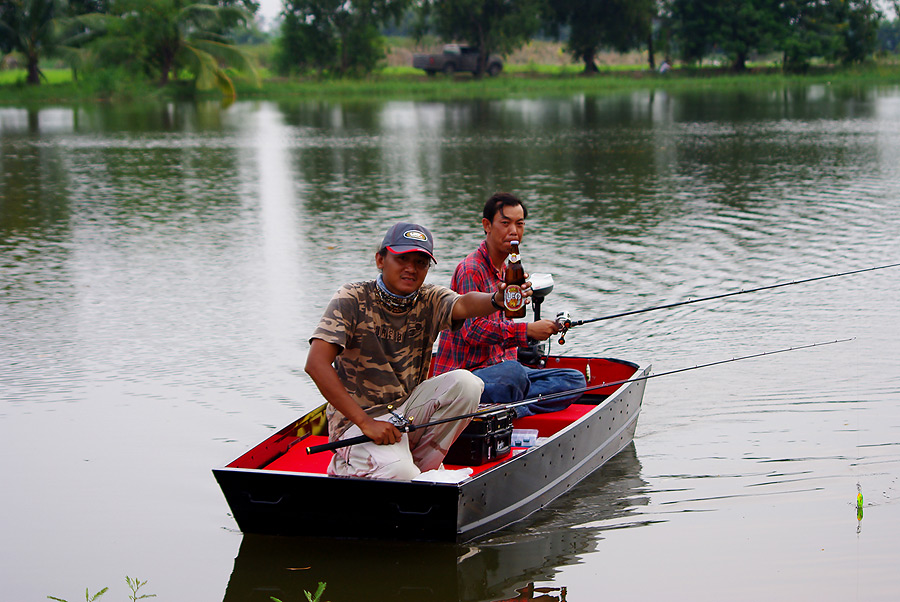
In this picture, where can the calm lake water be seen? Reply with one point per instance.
(162, 268)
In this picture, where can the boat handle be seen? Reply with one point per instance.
(417, 513)
(268, 502)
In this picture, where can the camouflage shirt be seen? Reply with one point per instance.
(384, 355)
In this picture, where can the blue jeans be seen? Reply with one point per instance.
(510, 382)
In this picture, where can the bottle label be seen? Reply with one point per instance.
(513, 298)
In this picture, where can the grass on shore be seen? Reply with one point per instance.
(548, 80)
(18, 76)
(408, 83)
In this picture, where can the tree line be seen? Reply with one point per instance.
(155, 38)
(160, 38)
(342, 36)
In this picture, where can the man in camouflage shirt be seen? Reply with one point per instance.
(372, 349)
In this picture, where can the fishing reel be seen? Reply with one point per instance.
(535, 353)
(563, 322)
(402, 422)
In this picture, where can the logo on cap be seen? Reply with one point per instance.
(415, 235)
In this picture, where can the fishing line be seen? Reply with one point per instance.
(566, 324)
(411, 427)
(859, 494)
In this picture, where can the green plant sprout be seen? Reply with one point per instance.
(87, 595)
(317, 597)
(133, 584)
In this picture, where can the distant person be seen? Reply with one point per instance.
(372, 349)
(488, 345)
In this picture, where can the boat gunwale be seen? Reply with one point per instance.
(640, 369)
(561, 477)
(611, 398)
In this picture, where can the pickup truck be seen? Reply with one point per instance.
(456, 58)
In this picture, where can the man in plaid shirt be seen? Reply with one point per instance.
(488, 346)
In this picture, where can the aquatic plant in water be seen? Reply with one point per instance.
(133, 584)
(317, 597)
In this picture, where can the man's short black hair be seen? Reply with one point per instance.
(499, 200)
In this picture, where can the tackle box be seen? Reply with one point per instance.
(488, 437)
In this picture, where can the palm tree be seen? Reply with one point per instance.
(38, 29)
(167, 35)
(27, 26)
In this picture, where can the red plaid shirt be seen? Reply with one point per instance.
(481, 341)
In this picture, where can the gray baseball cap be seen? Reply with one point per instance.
(405, 237)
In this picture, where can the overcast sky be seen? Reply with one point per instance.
(269, 9)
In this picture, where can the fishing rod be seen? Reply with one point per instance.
(407, 426)
(565, 323)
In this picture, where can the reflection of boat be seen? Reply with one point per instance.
(277, 488)
(397, 571)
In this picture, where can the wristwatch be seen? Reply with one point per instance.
(494, 301)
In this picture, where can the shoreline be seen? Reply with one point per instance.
(405, 83)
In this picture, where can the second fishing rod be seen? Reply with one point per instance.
(406, 426)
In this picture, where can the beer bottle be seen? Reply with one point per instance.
(513, 299)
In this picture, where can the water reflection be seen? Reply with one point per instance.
(149, 205)
(489, 570)
(162, 266)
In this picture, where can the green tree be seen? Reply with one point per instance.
(889, 36)
(594, 24)
(494, 26)
(694, 27)
(749, 26)
(85, 7)
(859, 21)
(230, 20)
(657, 32)
(342, 35)
(162, 37)
(810, 31)
(43, 29)
(86, 22)
(29, 27)
(836, 30)
(307, 38)
(735, 27)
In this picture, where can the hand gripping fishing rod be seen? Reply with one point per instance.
(565, 323)
(406, 426)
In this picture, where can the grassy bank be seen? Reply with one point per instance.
(59, 87)
(407, 83)
(543, 80)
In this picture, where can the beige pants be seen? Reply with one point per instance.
(450, 394)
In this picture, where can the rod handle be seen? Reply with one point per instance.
(333, 445)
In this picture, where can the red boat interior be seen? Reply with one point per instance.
(297, 460)
(286, 450)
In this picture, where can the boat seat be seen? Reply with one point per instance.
(552, 422)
